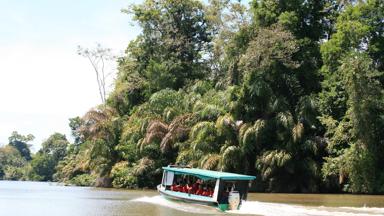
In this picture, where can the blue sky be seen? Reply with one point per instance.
(43, 81)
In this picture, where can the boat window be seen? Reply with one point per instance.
(193, 185)
(163, 179)
(169, 176)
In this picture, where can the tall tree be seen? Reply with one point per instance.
(20, 142)
(44, 163)
(351, 95)
(75, 124)
(11, 163)
(174, 40)
(99, 58)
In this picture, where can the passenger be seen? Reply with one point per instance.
(188, 188)
(195, 186)
(210, 190)
(174, 187)
(179, 187)
(205, 192)
(199, 190)
(184, 189)
(175, 184)
(182, 186)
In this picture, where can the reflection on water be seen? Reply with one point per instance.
(33, 198)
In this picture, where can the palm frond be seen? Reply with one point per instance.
(210, 162)
(143, 167)
(285, 119)
(156, 130)
(274, 159)
(297, 132)
(243, 128)
(232, 158)
(96, 122)
(226, 128)
(203, 136)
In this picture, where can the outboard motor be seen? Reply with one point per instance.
(234, 199)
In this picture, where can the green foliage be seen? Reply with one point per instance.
(13, 166)
(175, 35)
(364, 108)
(43, 166)
(303, 18)
(56, 146)
(128, 94)
(122, 176)
(290, 91)
(146, 172)
(231, 159)
(20, 143)
(351, 100)
(226, 129)
(13, 173)
(75, 163)
(163, 99)
(204, 137)
(74, 124)
(83, 180)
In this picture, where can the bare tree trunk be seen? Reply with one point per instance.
(97, 58)
(99, 83)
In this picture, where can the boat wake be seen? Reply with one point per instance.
(276, 209)
(266, 209)
(181, 206)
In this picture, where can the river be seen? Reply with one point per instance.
(51, 199)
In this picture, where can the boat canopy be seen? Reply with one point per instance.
(208, 174)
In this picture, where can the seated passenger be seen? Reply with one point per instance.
(174, 188)
(205, 192)
(184, 189)
(195, 186)
(189, 188)
(210, 191)
(179, 188)
(200, 190)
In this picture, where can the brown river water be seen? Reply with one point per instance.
(51, 199)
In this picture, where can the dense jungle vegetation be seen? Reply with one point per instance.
(290, 91)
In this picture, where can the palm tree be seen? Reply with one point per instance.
(167, 135)
(101, 128)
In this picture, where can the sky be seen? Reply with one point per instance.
(43, 82)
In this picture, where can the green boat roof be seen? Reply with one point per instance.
(208, 174)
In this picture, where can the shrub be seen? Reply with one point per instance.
(83, 180)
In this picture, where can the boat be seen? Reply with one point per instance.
(221, 189)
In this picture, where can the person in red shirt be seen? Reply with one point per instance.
(174, 187)
(184, 189)
(200, 190)
(210, 192)
(195, 186)
(179, 187)
(187, 188)
(205, 192)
